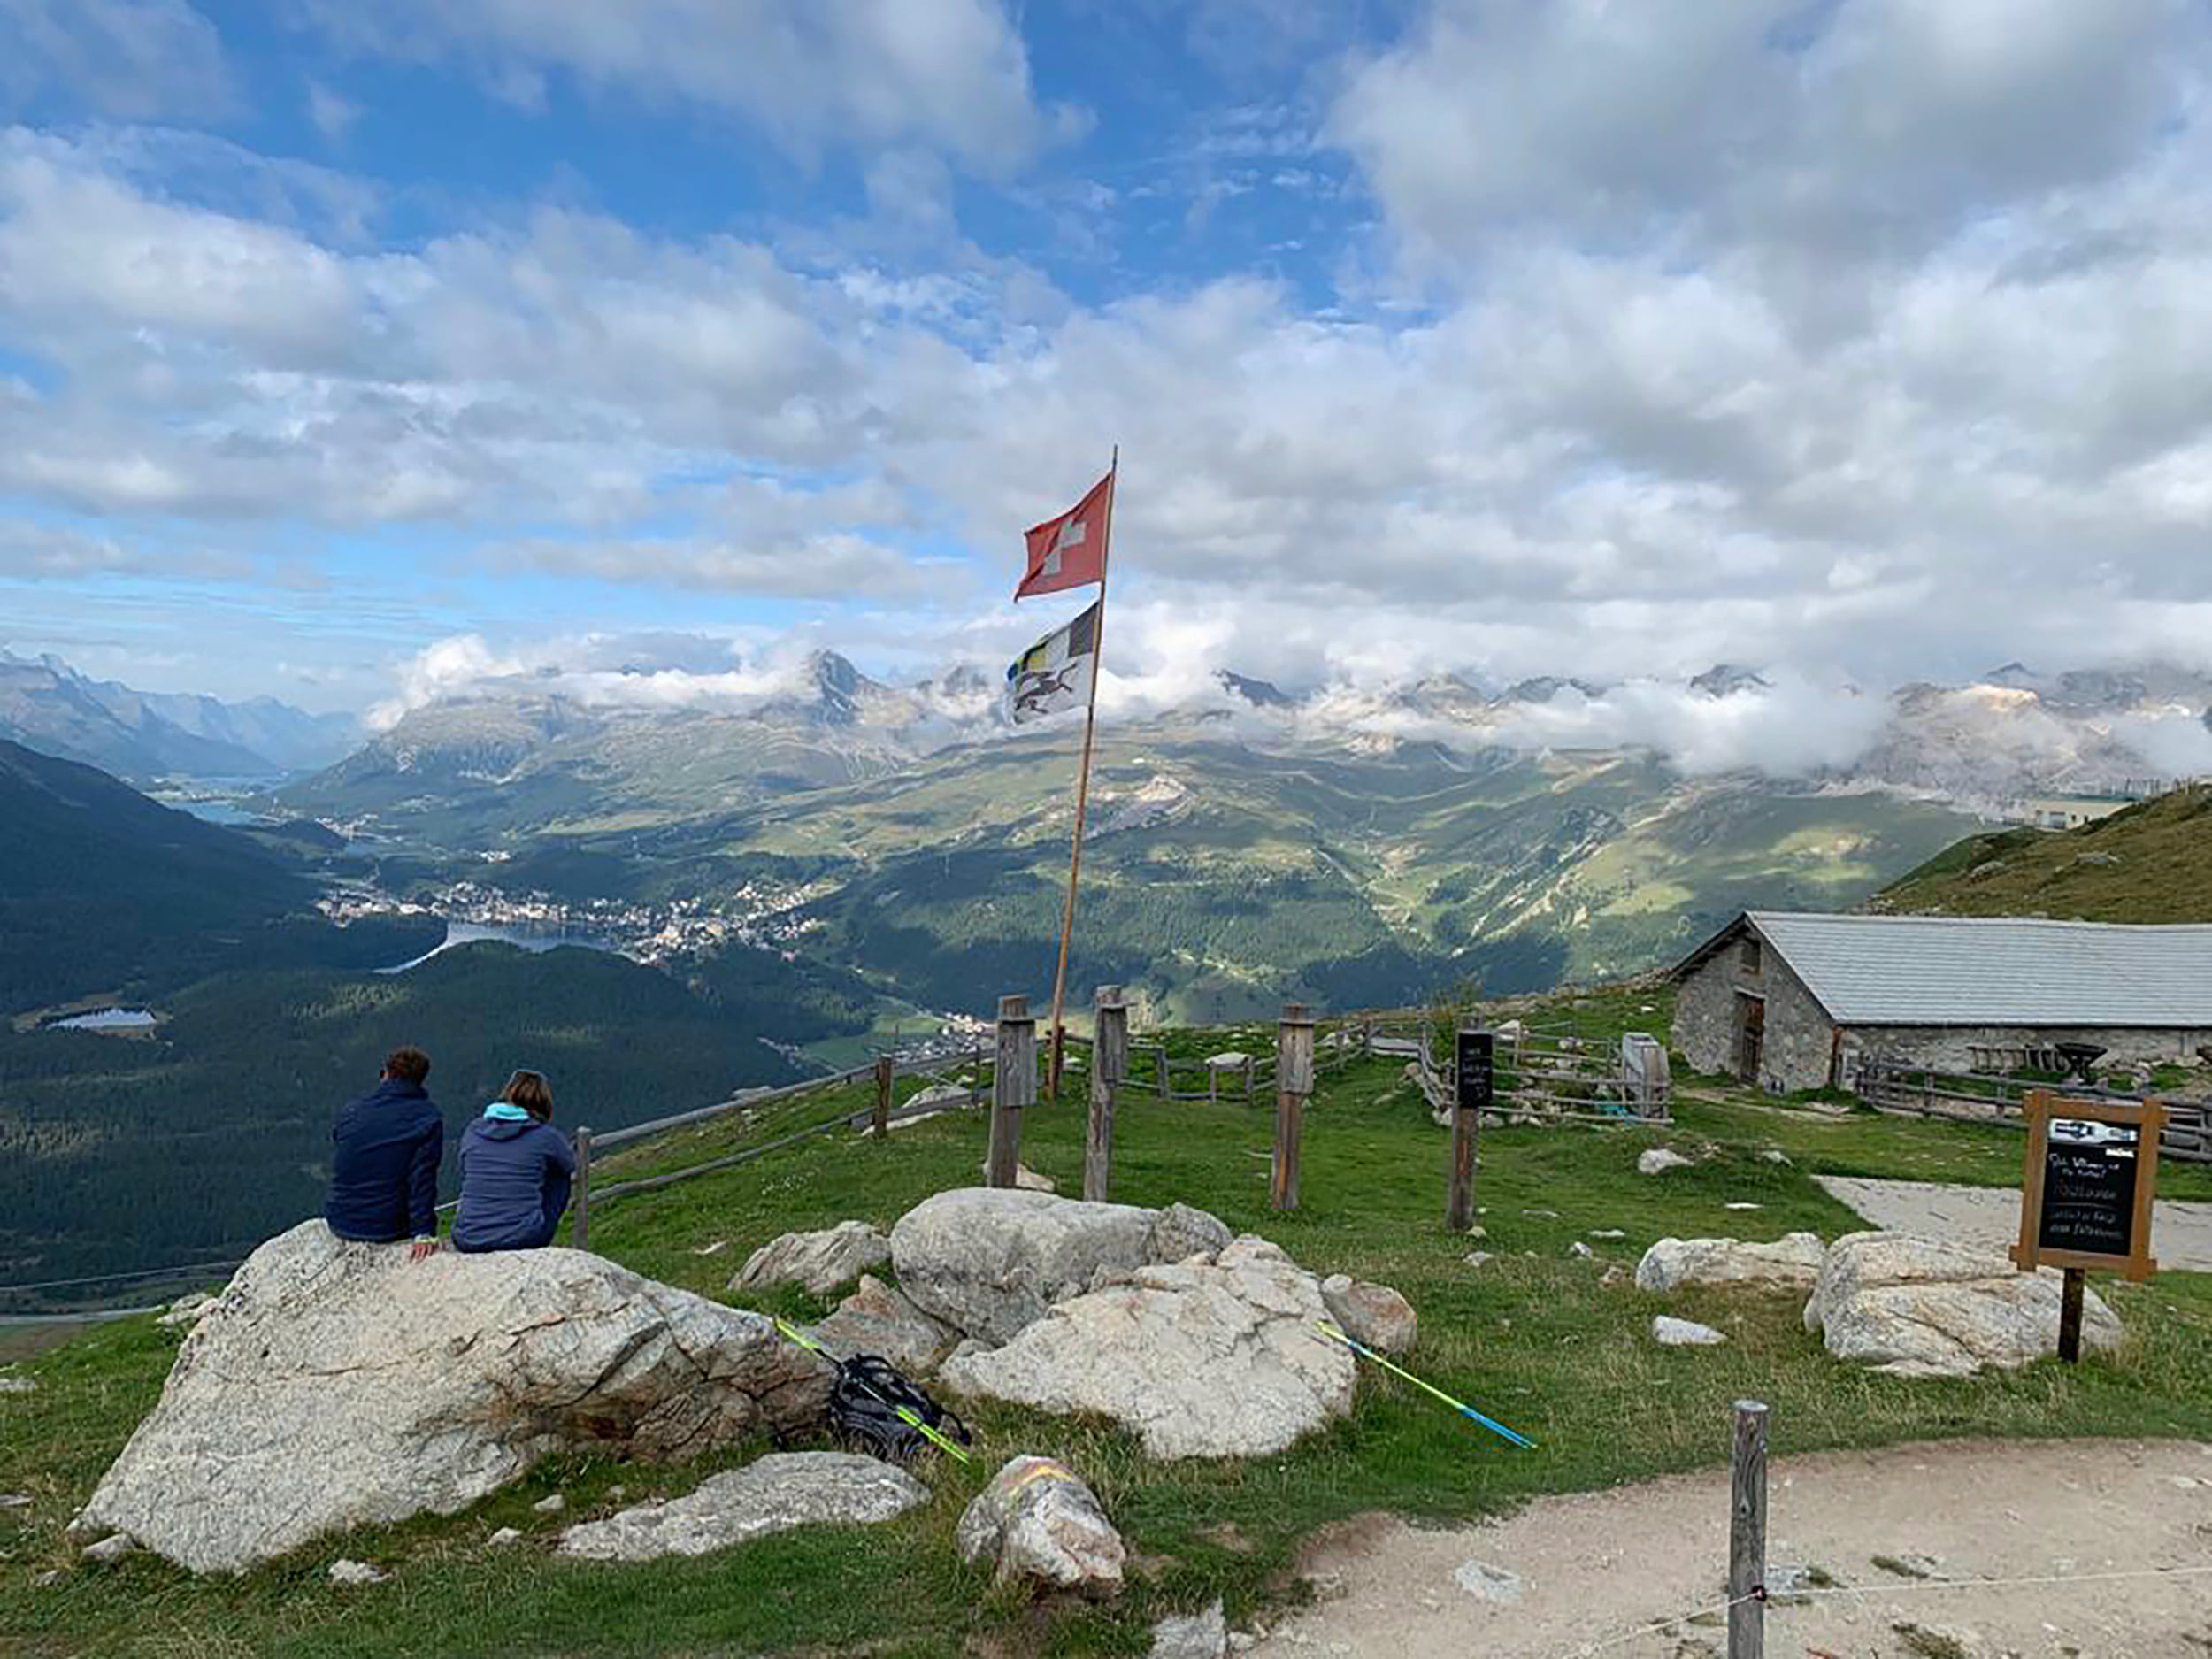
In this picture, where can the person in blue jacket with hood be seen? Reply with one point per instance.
(515, 1171)
(385, 1148)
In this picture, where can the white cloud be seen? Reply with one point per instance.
(333, 113)
(1807, 337)
(952, 73)
(131, 60)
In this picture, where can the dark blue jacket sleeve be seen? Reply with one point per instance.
(422, 1181)
(560, 1173)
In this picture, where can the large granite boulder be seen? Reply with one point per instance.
(817, 1263)
(771, 1495)
(1372, 1314)
(989, 1261)
(335, 1385)
(1038, 1521)
(1792, 1262)
(1180, 1231)
(1929, 1308)
(877, 1319)
(1202, 1359)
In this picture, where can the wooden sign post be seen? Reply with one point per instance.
(1474, 1086)
(2086, 1199)
(1293, 1081)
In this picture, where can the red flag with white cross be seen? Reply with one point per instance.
(1071, 550)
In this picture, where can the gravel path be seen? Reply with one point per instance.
(2181, 1234)
(1566, 1574)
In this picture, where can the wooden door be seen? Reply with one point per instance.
(1750, 1037)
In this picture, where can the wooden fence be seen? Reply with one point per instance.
(1891, 1084)
(1544, 1073)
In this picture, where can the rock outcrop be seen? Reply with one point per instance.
(1180, 1231)
(1790, 1263)
(877, 1319)
(1659, 1160)
(1373, 1314)
(1927, 1308)
(1202, 1358)
(335, 1385)
(989, 1260)
(1684, 1333)
(1200, 1635)
(1038, 1521)
(817, 1263)
(772, 1494)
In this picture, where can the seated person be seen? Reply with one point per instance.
(515, 1171)
(384, 1159)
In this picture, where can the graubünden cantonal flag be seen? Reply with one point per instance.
(1071, 550)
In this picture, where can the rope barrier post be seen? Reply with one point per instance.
(2069, 1317)
(880, 1125)
(1748, 1533)
(579, 1231)
(1013, 1086)
(1110, 1064)
(1293, 1081)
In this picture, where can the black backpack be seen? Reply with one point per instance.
(861, 1411)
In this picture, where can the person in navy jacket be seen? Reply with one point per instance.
(515, 1169)
(384, 1160)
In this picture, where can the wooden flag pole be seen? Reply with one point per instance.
(1082, 789)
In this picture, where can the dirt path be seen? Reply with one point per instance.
(1567, 1574)
(2181, 1232)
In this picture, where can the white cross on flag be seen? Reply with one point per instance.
(1071, 550)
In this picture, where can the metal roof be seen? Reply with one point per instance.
(1971, 971)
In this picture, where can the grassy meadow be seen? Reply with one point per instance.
(1536, 1337)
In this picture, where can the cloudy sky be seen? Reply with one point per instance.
(1871, 339)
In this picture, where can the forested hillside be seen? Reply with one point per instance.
(104, 891)
(208, 1137)
(2151, 863)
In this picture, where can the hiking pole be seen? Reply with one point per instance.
(905, 1414)
(1460, 1406)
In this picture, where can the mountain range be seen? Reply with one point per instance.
(49, 706)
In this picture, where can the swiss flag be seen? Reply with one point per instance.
(1071, 550)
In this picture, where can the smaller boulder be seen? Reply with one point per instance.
(1203, 1635)
(1684, 1333)
(553, 1505)
(933, 1102)
(1659, 1160)
(356, 1572)
(1038, 1521)
(1920, 1307)
(877, 1319)
(504, 1537)
(13, 1383)
(1790, 1263)
(817, 1263)
(1374, 1315)
(1180, 1231)
(113, 1548)
(771, 1495)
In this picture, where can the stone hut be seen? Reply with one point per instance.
(1793, 1000)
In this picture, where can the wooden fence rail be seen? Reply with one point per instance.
(1892, 1087)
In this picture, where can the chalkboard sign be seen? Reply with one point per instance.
(2092, 1172)
(2088, 1188)
(1476, 1077)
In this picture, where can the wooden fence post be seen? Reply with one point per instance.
(1473, 1086)
(579, 1231)
(1748, 1533)
(1013, 1086)
(1110, 1064)
(1293, 1081)
(882, 1123)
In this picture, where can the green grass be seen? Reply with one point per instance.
(1535, 1338)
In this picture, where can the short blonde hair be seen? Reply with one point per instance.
(530, 1091)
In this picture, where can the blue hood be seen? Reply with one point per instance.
(503, 1121)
